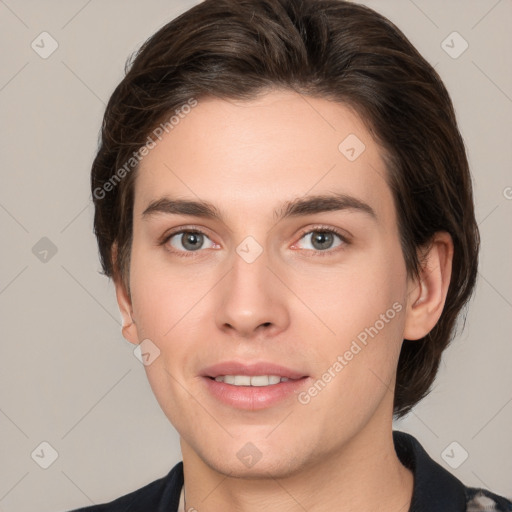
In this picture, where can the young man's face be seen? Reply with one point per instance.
(264, 289)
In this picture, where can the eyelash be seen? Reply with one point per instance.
(320, 229)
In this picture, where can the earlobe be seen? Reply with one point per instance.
(427, 293)
(129, 328)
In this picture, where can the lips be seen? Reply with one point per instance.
(252, 397)
(251, 369)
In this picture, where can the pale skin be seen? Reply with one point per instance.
(295, 305)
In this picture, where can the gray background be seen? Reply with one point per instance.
(68, 377)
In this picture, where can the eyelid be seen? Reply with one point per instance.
(185, 228)
(342, 234)
(164, 239)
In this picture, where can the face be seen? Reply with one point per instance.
(295, 270)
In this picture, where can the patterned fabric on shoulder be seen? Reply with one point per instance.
(480, 500)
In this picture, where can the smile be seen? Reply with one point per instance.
(251, 380)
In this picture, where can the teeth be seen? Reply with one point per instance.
(242, 380)
(247, 380)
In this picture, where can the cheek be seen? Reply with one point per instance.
(163, 295)
(163, 307)
(347, 299)
(169, 309)
(364, 307)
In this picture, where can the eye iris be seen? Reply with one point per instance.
(324, 239)
(194, 239)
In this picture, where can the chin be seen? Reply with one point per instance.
(251, 463)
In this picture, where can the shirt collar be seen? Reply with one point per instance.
(435, 489)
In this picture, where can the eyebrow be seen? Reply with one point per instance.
(301, 206)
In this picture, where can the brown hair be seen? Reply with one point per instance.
(330, 49)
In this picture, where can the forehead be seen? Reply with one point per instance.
(250, 155)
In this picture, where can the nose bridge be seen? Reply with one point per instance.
(251, 294)
(250, 275)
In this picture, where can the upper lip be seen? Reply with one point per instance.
(259, 368)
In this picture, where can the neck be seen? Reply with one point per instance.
(364, 474)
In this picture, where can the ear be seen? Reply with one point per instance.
(124, 302)
(427, 293)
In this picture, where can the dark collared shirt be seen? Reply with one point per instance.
(435, 489)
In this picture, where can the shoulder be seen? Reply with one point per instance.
(436, 489)
(158, 496)
(481, 500)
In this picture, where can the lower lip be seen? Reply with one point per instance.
(253, 398)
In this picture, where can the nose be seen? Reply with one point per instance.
(253, 301)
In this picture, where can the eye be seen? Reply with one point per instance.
(189, 240)
(323, 239)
